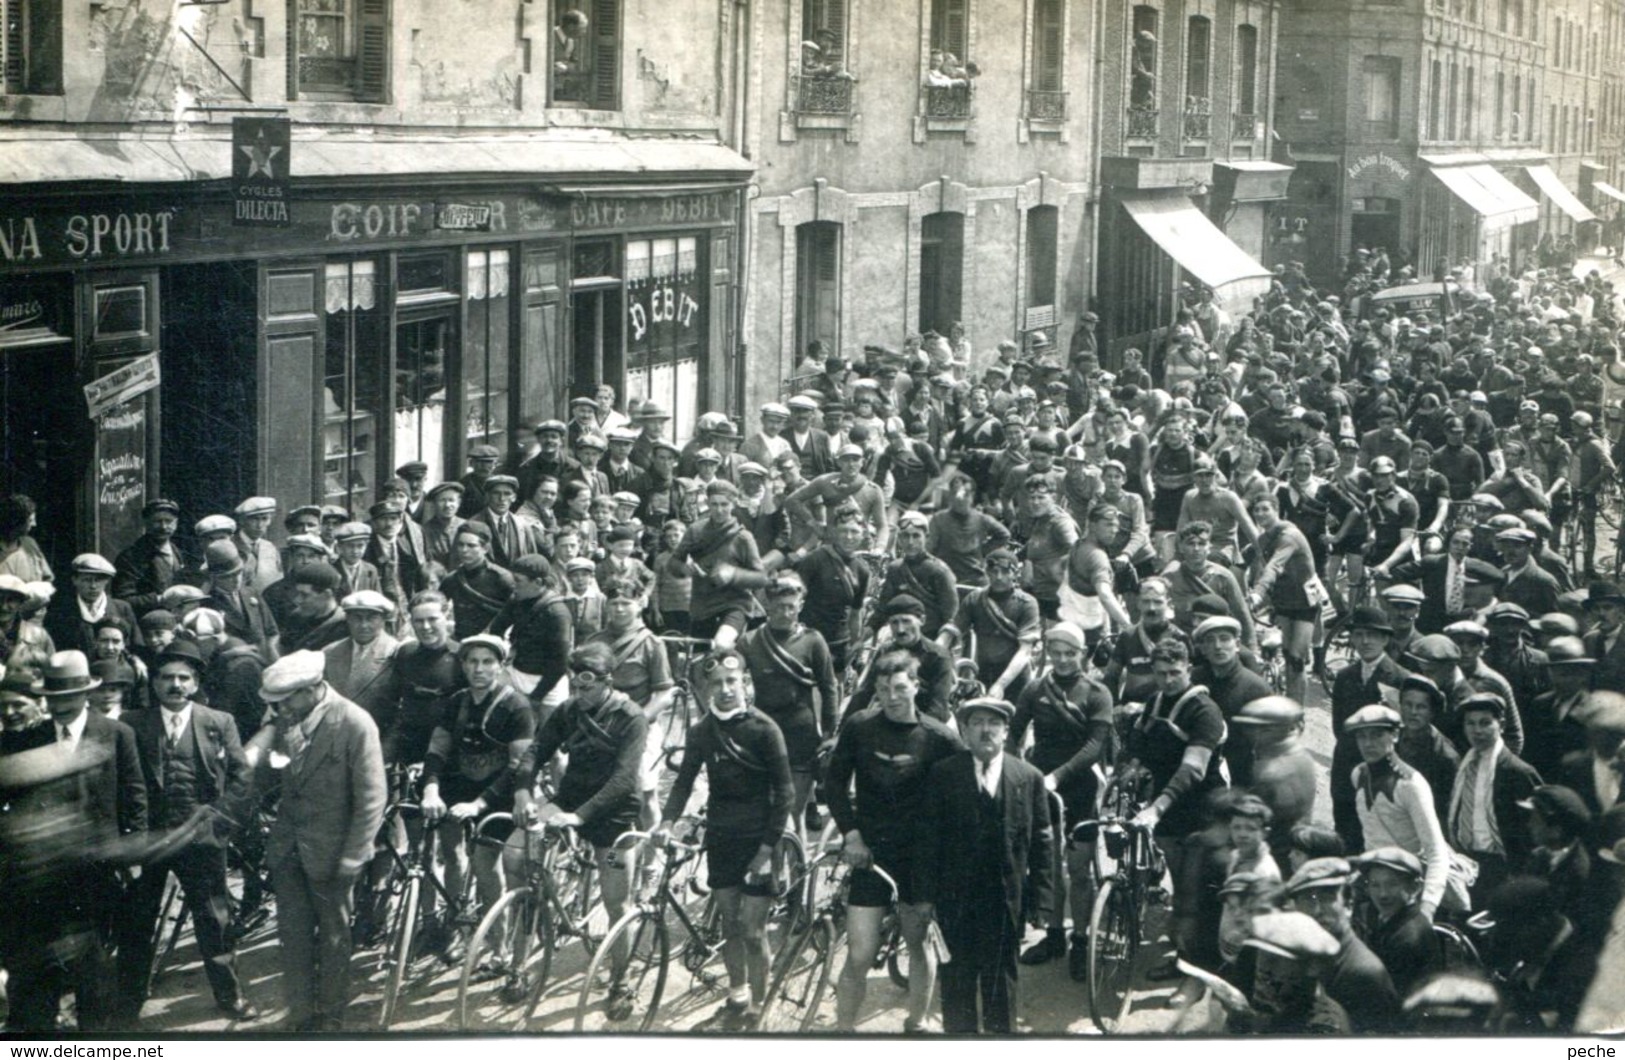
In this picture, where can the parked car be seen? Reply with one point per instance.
(1440, 299)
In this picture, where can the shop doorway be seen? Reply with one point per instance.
(1376, 224)
(46, 443)
(596, 332)
(423, 342)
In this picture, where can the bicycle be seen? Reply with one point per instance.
(409, 922)
(806, 967)
(1128, 866)
(685, 708)
(610, 997)
(516, 941)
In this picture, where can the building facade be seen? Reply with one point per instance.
(920, 164)
(464, 221)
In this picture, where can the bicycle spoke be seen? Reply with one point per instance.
(801, 981)
(623, 985)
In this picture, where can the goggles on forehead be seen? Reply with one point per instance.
(726, 662)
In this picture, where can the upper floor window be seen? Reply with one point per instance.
(31, 46)
(1381, 75)
(1143, 60)
(824, 84)
(1049, 45)
(1247, 73)
(948, 79)
(341, 50)
(1198, 64)
(1435, 98)
(586, 59)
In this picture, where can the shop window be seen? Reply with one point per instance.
(1381, 73)
(1142, 96)
(1046, 99)
(1042, 227)
(424, 342)
(353, 385)
(665, 325)
(1198, 62)
(1245, 121)
(31, 46)
(587, 54)
(823, 81)
(818, 285)
(486, 361)
(942, 253)
(340, 50)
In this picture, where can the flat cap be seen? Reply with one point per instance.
(313, 542)
(335, 513)
(1270, 710)
(484, 452)
(489, 641)
(386, 507)
(352, 532)
(592, 440)
(412, 469)
(776, 408)
(751, 467)
(991, 704)
(628, 435)
(1467, 628)
(627, 497)
(1382, 465)
(1506, 611)
(10, 583)
(162, 504)
(1403, 593)
(1067, 633)
(1216, 624)
(1560, 805)
(205, 622)
(178, 596)
(708, 456)
(1416, 682)
(1292, 935)
(580, 563)
(1483, 701)
(1319, 872)
(495, 481)
(1516, 535)
(624, 532)
(849, 450)
(550, 427)
(157, 619)
(1398, 859)
(664, 446)
(803, 402)
(255, 506)
(215, 524)
(1454, 996)
(583, 400)
(92, 563)
(1435, 647)
(368, 600)
(905, 604)
(294, 671)
(1373, 716)
(319, 576)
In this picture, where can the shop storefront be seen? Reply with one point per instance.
(379, 324)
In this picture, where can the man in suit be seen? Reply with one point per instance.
(1606, 606)
(262, 566)
(1553, 725)
(986, 856)
(350, 542)
(1597, 773)
(399, 553)
(441, 518)
(301, 550)
(361, 667)
(1446, 580)
(193, 763)
(1373, 677)
(1526, 584)
(512, 535)
(1484, 822)
(154, 562)
(331, 768)
(482, 461)
(248, 616)
(70, 618)
(807, 441)
(549, 459)
(652, 419)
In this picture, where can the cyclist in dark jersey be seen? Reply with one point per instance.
(874, 782)
(429, 673)
(743, 754)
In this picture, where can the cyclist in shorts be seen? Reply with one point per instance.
(602, 732)
(1285, 576)
(482, 737)
(642, 673)
(748, 771)
(725, 564)
(874, 782)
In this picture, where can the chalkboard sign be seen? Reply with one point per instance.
(121, 474)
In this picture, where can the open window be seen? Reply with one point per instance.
(31, 46)
(586, 54)
(339, 50)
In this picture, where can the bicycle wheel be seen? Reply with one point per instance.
(1114, 940)
(574, 872)
(166, 933)
(1460, 955)
(642, 936)
(507, 964)
(401, 937)
(800, 981)
(791, 911)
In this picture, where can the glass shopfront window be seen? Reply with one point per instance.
(665, 325)
(352, 385)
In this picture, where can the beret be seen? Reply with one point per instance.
(1319, 872)
(905, 604)
(318, 576)
(256, 506)
(1067, 632)
(91, 563)
(1373, 716)
(215, 524)
(292, 672)
(368, 600)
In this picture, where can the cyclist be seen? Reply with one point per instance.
(1592, 467)
(935, 670)
(920, 575)
(837, 582)
(723, 560)
(1003, 621)
(743, 754)
(1284, 574)
(875, 781)
(602, 732)
(794, 679)
(1394, 802)
(481, 738)
(642, 673)
(1088, 594)
(1071, 717)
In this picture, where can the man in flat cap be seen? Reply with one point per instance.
(478, 588)
(1277, 971)
(247, 615)
(1544, 965)
(1526, 585)
(350, 542)
(1400, 936)
(1394, 803)
(986, 859)
(324, 752)
(767, 444)
(361, 667)
(1354, 977)
(904, 615)
(806, 439)
(262, 566)
(1484, 822)
(300, 550)
(512, 535)
(482, 461)
(70, 618)
(549, 459)
(619, 470)
(1285, 773)
(414, 473)
(154, 562)
(316, 621)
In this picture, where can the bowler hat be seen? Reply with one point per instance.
(222, 557)
(180, 651)
(1368, 617)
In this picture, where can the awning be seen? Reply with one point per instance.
(1185, 234)
(1608, 190)
(1552, 186)
(1490, 195)
(129, 160)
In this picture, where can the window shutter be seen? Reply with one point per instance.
(1047, 27)
(606, 54)
(835, 22)
(293, 50)
(12, 42)
(828, 245)
(956, 29)
(372, 51)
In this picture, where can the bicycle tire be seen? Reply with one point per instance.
(527, 939)
(1458, 950)
(401, 937)
(896, 949)
(800, 981)
(579, 909)
(171, 918)
(648, 955)
(1114, 941)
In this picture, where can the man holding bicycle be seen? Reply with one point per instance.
(875, 783)
(743, 754)
(642, 673)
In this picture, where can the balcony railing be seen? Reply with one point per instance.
(823, 95)
(1243, 126)
(1046, 106)
(947, 101)
(1198, 119)
(1142, 123)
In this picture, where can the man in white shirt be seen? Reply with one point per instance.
(1484, 822)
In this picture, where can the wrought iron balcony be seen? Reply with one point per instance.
(1142, 123)
(1243, 126)
(947, 101)
(1198, 119)
(1046, 106)
(823, 95)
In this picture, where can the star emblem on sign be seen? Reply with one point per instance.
(260, 155)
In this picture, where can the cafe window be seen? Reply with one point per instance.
(424, 341)
(486, 361)
(352, 385)
(340, 50)
(665, 324)
(31, 46)
(586, 54)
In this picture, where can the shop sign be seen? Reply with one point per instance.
(463, 217)
(660, 304)
(31, 314)
(1382, 161)
(594, 214)
(260, 149)
(119, 386)
(121, 475)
